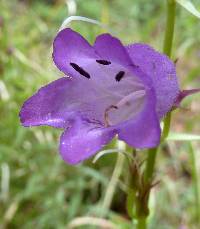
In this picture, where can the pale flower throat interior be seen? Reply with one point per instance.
(122, 102)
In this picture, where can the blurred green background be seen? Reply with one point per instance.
(38, 190)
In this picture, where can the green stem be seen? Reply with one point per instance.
(141, 224)
(166, 127)
(151, 159)
(131, 198)
(195, 182)
(169, 32)
(141, 209)
(167, 49)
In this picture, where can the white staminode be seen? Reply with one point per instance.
(134, 95)
(127, 108)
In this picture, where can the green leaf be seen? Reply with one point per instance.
(109, 151)
(68, 20)
(188, 5)
(104, 152)
(182, 137)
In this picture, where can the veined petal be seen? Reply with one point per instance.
(111, 48)
(161, 70)
(82, 140)
(77, 58)
(71, 49)
(61, 101)
(47, 106)
(111, 73)
(112, 90)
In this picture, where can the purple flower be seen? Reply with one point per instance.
(111, 90)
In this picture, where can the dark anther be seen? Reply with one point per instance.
(119, 75)
(104, 62)
(80, 70)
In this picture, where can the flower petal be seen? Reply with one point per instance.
(133, 84)
(76, 57)
(47, 106)
(64, 100)
(71, 47)
(110, 48)
(111, 72)
(82, 140)
(143, 131)
(162, 72)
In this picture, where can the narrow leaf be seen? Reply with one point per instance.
(188, 5)
(70, 19)
(182, 137)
